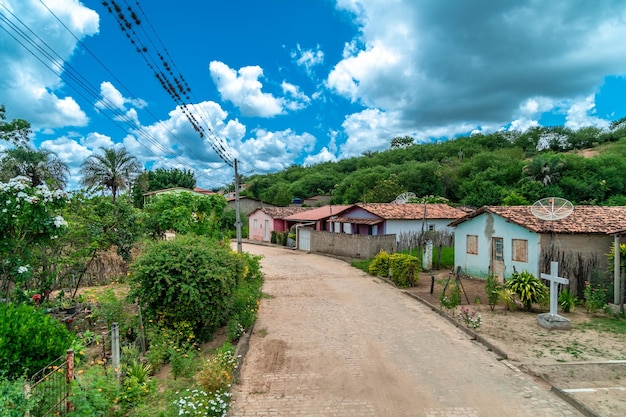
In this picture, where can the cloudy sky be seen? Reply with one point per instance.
(194, 84)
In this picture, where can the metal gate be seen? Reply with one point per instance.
(304, 239)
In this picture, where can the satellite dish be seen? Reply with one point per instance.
(404, 197)
(552, 208)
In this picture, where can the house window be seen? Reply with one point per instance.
(431, 227)
(256, 223)
(520, 250)
(471, 244)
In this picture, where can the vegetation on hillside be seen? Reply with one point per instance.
(585, 166)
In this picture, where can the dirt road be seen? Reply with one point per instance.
(333, 341)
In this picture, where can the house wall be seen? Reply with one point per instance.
(247, 205)
(487, 226)
(258, 232)
(403, 226)
(351, 245)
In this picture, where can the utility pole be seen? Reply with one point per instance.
(237, 212)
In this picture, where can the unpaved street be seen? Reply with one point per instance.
(333, 341)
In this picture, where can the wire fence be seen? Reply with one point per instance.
(50, 387)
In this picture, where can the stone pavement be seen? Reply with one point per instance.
(333, 341)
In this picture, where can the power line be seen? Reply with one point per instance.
(173, 83)
(45, 54)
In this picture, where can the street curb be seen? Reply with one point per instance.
(574, 402)
(243, 345)
(578, 405)
(479, 338)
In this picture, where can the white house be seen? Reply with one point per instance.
(394, 219)
(501, 240)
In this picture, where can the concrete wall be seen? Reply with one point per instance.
(353, 246)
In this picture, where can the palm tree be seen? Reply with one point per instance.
(114, 170)
(545, 171)
(42, 166)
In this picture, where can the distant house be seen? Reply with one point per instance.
(394, 219)
(150, 194)
(246, 204)
(315, 218)
(501, 240)
(263, 221)
(317, 201)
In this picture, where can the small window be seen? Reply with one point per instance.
(431, 227)
(256, 223)
(520, 250)
(472, 244)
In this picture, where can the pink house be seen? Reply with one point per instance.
(316, 218)
(263, 221)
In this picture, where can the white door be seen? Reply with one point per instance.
(304, 239)
(266, 236)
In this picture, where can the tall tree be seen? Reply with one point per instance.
(113, 171)
(41, 166)
(160, 179)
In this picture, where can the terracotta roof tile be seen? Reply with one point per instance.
(393, 211)
(584, 219)
(282, 212)
(316, 213)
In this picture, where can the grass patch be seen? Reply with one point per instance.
(605, 324)
(363, 264)
(447, 256)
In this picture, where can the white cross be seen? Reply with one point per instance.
(554, 279)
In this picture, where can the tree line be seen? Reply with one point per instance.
(585, 166)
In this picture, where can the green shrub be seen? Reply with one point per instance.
(595, 297)
(29, 340)
(567, 300)
(217, 372)
(491, 290)
(404, 269)
(529, 288)
(190, 278)
(13, 400)
(380, 264)
(96, 392)
(453, 299)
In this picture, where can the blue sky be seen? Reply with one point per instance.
(281, 82)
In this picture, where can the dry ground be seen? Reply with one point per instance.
(581, 358)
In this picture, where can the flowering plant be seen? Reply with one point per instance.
(470, 318)
(198, 403)
(27, 219)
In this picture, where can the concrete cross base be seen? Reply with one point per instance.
(554, 322)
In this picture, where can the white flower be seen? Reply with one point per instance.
(59, 221)
(22, 269)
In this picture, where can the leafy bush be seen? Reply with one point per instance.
(567, 300)
(13, 400)
(491, 289)
(529, 288)
(380, 264)
(29, 340)
(454, 299)
(246, 298)
(95, 392)
(198, 403)
(217, 372)
(595, 297)
(190, 278)
(404, 269)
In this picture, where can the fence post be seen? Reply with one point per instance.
(69, 377)
(27, 396)
(115, 348)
